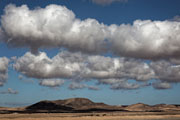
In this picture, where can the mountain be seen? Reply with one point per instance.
(47, 105)
(154, 108)
(71, 105)
(75, 102)
(139, 107)
(166, 107)
(84, 105)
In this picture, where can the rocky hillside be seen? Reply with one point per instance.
(72, 105)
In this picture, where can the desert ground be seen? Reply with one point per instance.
(85, 109)
(92, 116)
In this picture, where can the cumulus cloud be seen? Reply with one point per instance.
(107, 2)
(147, 39)
(3, 70)
(166, 71)
(78, 66)
(57, 26)
(51, 82)
(9, 91)
(53, 26)
(42, 67)
(106, 67)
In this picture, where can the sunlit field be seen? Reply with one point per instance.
(88, 116)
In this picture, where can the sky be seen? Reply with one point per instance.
(119, 52)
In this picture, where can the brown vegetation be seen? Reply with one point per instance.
(92, 116)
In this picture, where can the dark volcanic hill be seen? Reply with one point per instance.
(71, 105)
(48, 105)
(75, 102)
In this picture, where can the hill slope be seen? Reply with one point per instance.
(71, 105)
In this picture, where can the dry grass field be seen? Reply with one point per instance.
(90, 116)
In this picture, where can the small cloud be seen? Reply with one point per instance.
(125, 85)
(9, 91)
(161, 85)
(107, 2)
(51, 82)
(20, 77)
(75, 85)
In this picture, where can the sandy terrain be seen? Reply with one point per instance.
(89, 116)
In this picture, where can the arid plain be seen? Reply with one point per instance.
(91, 116)
(85, 109)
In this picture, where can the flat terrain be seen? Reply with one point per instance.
(94, 116)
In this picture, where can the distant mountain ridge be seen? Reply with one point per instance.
(71, 105)
(80, 105)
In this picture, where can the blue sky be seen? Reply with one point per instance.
(163, 87)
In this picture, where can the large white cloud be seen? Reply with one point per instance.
(3, 70)
(105, 67)
(41, 67)
(147, 39)
(53, 26)
(57, 26)
(79, 67)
